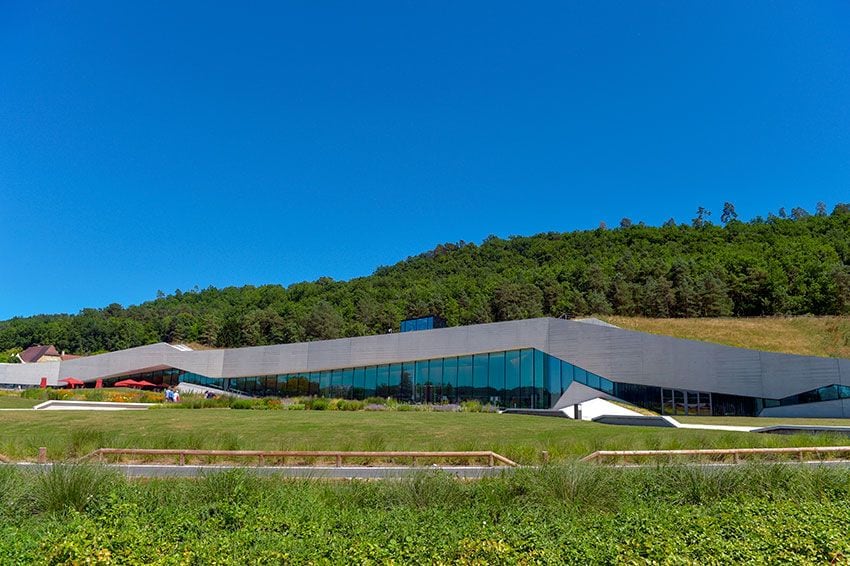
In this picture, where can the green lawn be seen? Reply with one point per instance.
(519, 437)
(15, 402)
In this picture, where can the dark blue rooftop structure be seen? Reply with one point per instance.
(422, 323)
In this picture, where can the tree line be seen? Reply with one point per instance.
(788, 263)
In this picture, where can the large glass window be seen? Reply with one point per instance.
(347, 383)
(513, 394)
(336, 383)
(434, 387)
(541, 390)
(407, 383)
(479, 377)
(464, 378)
(567, 375)
(450, 380)
(383, 381)
(553, 376)
(325, 384)
(526, 376)
(420, 380)
(394, 380)
(358, 390)
(580, 375)
(496, 378)
(371, 383)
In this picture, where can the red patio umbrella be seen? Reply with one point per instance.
(127, 383)
(72, 381)
(144, 383)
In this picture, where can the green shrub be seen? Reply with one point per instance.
(35, 393)
(295, 407)
(471, 406)
(317, 404)
(403, 407)
(375, 401)
(70, 487)
(242, 404)
(350, 405)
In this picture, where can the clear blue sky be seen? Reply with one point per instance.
(162, 145)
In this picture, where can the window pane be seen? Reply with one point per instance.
(314, 382)
(346, 384)
(358, 389)
(679, 401)
(434, 387)
(464, 378)
(667, 407)
(567, 375)
(336, 383)
(371, 381)
(526, 377)
(479, 377)
(553, 377)
(496, 378)
(325, 384)
(450, 380)
(383, 381)
(419, 379)
(512, 389)
(405, 388)
(394, 380)
(541, 391)
(592, 380)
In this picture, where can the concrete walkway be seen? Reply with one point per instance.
(730, 428)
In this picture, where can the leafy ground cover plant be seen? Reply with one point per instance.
(573, 514)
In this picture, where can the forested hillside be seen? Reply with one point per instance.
(785, 264)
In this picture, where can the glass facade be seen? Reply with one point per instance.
(513, 378)
(524, 378)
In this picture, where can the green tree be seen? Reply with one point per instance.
(728, 213)
(513, 301)
(701, 218)
(323, 322)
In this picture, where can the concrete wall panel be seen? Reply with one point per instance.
(826, 409)
(29, 374)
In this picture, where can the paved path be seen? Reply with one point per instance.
(731, 428)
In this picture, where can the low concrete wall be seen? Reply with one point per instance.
(637, 420)
(91, 406)
(306, 472)
(803, 429)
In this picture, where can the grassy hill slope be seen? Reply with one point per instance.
(806, 335)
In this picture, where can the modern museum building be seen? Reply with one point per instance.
(541, 363)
